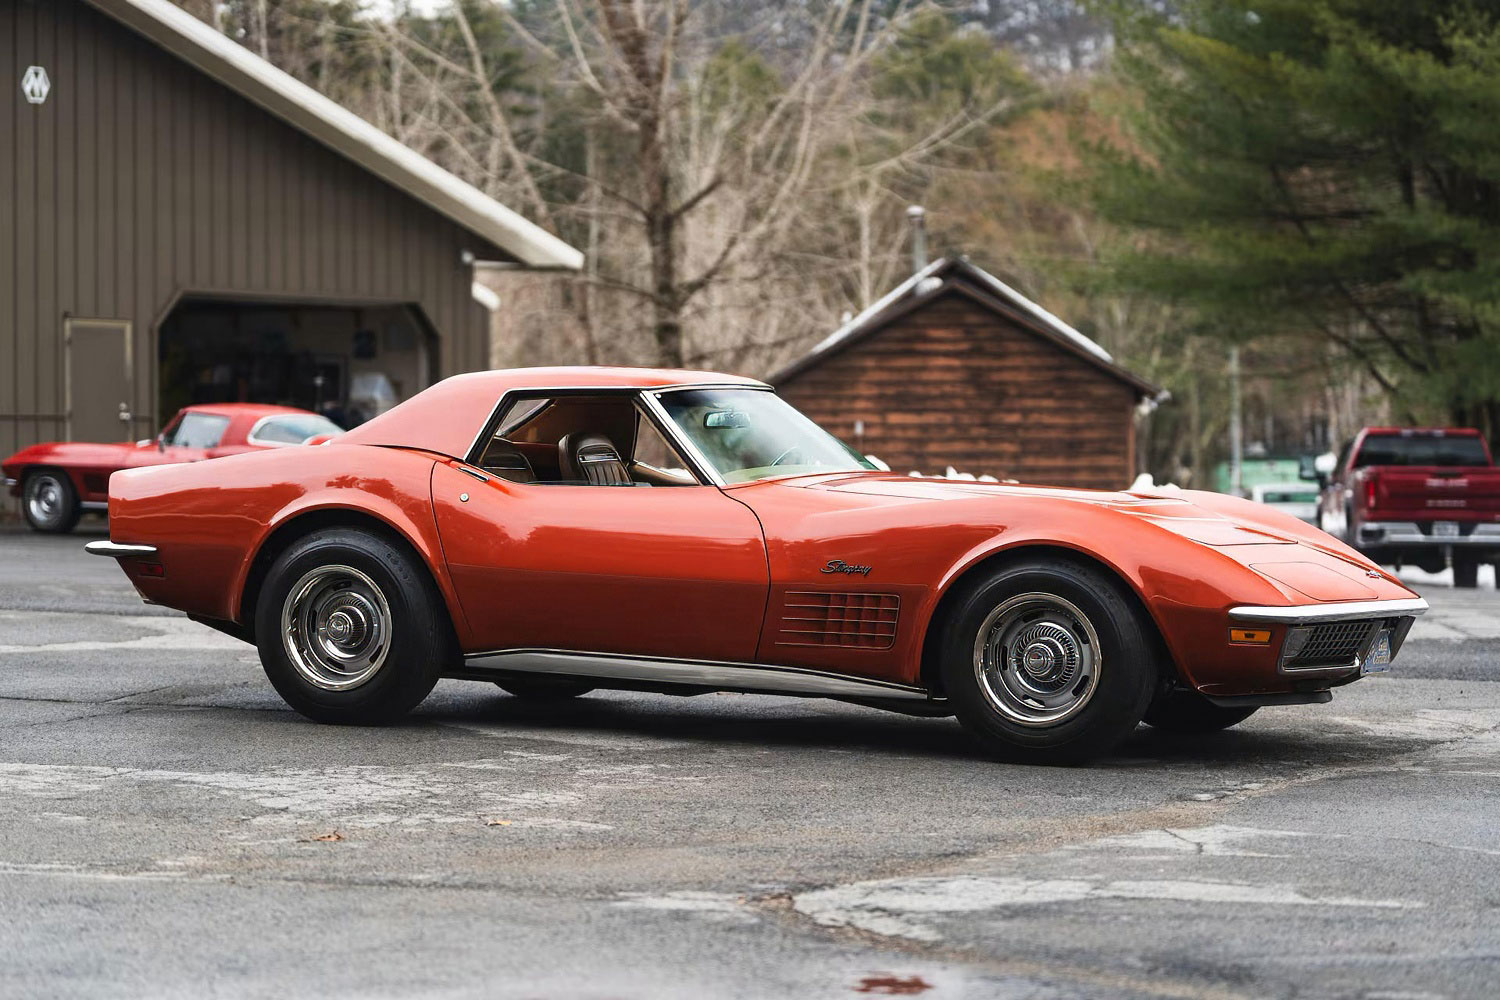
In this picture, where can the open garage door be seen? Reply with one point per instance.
(348, 363)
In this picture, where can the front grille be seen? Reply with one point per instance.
(1335, 644)
(837, 618)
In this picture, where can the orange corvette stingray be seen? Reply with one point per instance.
(558, 530)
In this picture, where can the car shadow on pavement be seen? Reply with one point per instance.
(797, 724)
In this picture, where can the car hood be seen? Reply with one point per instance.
(1194, 514)
(83, 452)
(1269, 542)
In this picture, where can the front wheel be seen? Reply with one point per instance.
(50, 502)
(351, 628)
(1048, 662)
(1190, 712)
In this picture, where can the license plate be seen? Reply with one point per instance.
(1379, 659)
(1445, 529)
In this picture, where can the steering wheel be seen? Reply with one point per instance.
(782, 458)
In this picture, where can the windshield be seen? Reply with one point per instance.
(750, 434)
(1420, 449)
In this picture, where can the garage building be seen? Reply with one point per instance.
(956, 369)
(182, 222)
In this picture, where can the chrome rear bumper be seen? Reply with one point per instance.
(1374, 534)
(116, 550)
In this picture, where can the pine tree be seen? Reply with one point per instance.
(1327, 170)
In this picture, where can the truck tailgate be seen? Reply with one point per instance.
(1433, 491)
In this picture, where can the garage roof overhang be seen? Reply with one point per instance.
(338, 128)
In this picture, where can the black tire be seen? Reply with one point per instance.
(1124, 666)
(1465, 572)
(1190, 712)
(50, 502)
(544, 688)
(351, 571)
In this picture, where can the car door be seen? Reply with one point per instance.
(671, 571)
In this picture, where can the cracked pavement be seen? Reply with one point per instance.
(168, 828)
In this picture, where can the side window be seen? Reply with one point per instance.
(198, 430)
(581, 440)
(655, 461)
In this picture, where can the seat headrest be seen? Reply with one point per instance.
(593, 459)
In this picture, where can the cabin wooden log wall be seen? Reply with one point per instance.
(953, 383)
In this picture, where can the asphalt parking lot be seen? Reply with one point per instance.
(169, 829)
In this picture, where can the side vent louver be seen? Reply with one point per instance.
(860, 621)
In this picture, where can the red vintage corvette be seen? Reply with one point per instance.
(59, 480)
(557, 530)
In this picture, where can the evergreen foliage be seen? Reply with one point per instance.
(1321, 170)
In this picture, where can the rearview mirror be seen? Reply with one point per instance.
(726, 418)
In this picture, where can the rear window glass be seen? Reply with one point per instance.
(197, 430)
(1420, 449)
(293, 428)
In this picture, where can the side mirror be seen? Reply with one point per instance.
(161, 442)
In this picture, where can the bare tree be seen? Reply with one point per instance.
(701, 162)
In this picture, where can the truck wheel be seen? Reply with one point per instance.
(50, 502)
(1190, 712)
(1465, 572)
(351, 628)
(1048, 662)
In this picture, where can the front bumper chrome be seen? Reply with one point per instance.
(1379, 533)
(116, 550)
(1334, 640)
(1311, 614)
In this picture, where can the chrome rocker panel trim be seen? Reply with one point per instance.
(708, 675)
(1310, 614)
(116, 550)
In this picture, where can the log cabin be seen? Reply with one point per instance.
(956, 369)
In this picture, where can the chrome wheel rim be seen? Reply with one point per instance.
(336, 627)
(45, 499)
(1037, 659)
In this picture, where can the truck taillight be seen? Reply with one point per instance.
(1369, 493)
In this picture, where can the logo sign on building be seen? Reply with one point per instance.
(35, 85)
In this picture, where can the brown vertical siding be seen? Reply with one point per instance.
(952, 383)
(141, 180)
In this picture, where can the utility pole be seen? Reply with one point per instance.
(1236, 436)
(916, 216)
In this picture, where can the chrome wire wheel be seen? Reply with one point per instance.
(46, 498)
(336, 627)
(1037, 659)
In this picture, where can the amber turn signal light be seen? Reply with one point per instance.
(1254, 636)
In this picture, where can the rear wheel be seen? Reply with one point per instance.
(351, 628)
(543, 688)
(1048, 662)
(50, 502)
(1465, 571)
(1190, 712)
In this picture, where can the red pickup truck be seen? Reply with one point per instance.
(1424, 496)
